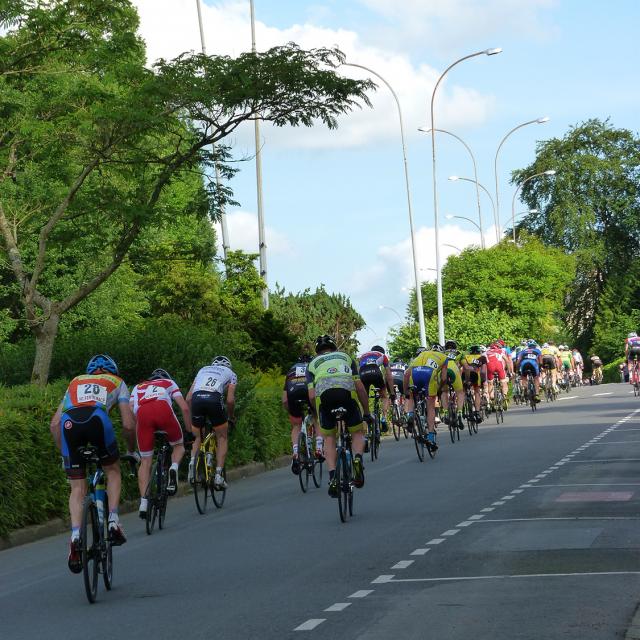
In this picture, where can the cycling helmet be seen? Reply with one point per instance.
(545, 345)
(436, 346)
(419, 350)
(221, 361)
(524, 342)
(325, 342)
(377, 347)
(398, 363)
(476, 348)
(501, 342)
(531, 343)
(103, 362)
(159, 374)
(483, 349)
(451, 345)
(633, 334)
(561, 347)
(305, 357)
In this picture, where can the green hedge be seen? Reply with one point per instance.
(33, 487)
(611, 371)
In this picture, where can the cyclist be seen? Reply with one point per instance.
(497, 363)
(213, 385)
(529, 362)
(427, 372)
(566, 359)
(596, 369)
(294, 398)
(374, 372)
(152, 404)
(397, 368)
(551, 361)
(474, 369)
(81, 419)
(578, 359)
(333, 381)
(632, 352)
(453, 372)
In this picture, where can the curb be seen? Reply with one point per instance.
(53, 527)
(633, 632)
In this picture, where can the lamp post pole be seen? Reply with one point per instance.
(488, 52)
(493, 204)
(223, 215)
(423, 335)
(549, 172)
(475, 224)
(475, 173)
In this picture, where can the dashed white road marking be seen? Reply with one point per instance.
(516, 491)
(419, 552)
(309, 625)
(436, 541)
(363, 593)
(606, 393)
(450, 532)
(478, 516)
(338, 606)
(466, 523)
(498, 503)
(568, 398)
(379, 580)
(487, 509)
(403, 564)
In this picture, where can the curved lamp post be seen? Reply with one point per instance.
(423, 334)
(453, 246)
(495, 161)
(493, 204)
(487, 52)
(549, 172)
(475, 224)
(475, 173)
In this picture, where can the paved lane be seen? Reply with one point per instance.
(527, 530)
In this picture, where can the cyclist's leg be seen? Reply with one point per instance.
(144, 433)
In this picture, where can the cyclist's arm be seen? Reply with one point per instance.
(128, 424)
(231, 401)
(285, 400)
(405, 380)
(389, 379)
(362, 396)
(184, 409)
(190, 393)
(54, 427)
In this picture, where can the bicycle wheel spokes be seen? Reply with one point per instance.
(201, 483)
(90, 548)
(304, 461)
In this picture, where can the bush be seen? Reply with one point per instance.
(33, 487)
(611, 371)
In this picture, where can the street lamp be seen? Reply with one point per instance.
(488, 52)
(549, 172)
(475, 173)
(381, 306)
(223, 216)
(453, 246)
(423, 334)
(495, 161)
(493, 206)
(475, 224)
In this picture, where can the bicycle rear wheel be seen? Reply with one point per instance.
(342, 482)
(107, 550)
(164, 495)
(418, 435)
(304, 459)
(376, 436)
(200, 483)
(90, 547)
(397, 422)
(219, 495)
(152, 495)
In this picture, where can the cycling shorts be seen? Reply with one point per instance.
(156, 416)
(398, 381)
(474, 377)
(453, 374)
(634, 352)
(495, 366)
(81, 426)
(425, 379)
(549, 362)
(566, 365)
(297, 398)
(207, 405)
(532, 366)
(334, 399)
(371, 376)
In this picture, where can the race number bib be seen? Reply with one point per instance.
(152, 392)
(432, 363)
(210, 384)
(532, 356)
(91, 392)
(301, 372)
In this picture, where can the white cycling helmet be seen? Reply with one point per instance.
(633, 334)
(222, 361)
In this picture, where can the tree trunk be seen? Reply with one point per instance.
(45, 339)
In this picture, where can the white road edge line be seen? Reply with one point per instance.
(524, 575)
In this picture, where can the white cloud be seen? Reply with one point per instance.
(170, 27)
(243, 234)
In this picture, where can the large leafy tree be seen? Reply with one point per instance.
(590, 209)
(92, 141)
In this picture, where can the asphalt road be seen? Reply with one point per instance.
(526, 530)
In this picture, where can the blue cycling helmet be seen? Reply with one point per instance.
(104, 362)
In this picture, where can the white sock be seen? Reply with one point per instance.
(193, 460)
(174, 466)
(219, 471)
(143, 504)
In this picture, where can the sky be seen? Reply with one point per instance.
(343, 191)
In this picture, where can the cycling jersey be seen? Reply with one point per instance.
(495, 363)
(334, 370)
(425, 370)
(373, 358)
(151, 391)
(295, 386)
(214, 379)
(474, 360)
(528, 359)
(101, 390)
(633, 348)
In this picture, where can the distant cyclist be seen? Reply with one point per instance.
(474, 372)
(596, 369)
(374, 372)
(295, 397)
(83, 419)
(579, 360)
(529, 362)
(498, 364)
(213, 396)
(333, 382)
(632, 352)
(152, 404)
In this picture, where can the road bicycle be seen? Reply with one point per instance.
(373, 429)
(204, 474)
(565, 381)
(96, 551)
(157, 493)
(344, 466)
(469, 409)
(596, 376)
(635, 375)
(452, 414)
(420, 429)
(517, 391)
(549, 390)
(499, 401)
(310, 461)
(399, 417)
(531, 392)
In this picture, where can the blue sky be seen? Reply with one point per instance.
(570, 60)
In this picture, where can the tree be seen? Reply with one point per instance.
(92, 141)
(308, 315)
(590, 209)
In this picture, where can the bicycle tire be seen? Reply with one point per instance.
(218, 495)
(90, 547)
(107, 551)
(164, 494)
(418, 435)
(342, 482)
(200, 483)
(397, 423)
(303, 460)
(151, 495)
(317, 474)
(453, 427)
(377, 431)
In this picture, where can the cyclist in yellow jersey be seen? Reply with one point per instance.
(453, 371)
(427, 372)
(551, 360)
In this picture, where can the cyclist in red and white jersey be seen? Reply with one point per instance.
(152, 404)
(497, 362)
(631, 352)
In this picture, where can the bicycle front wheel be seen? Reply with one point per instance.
(219, 494)
(201, 483)
(90, 547)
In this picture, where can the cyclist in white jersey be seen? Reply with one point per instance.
(213, 386)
